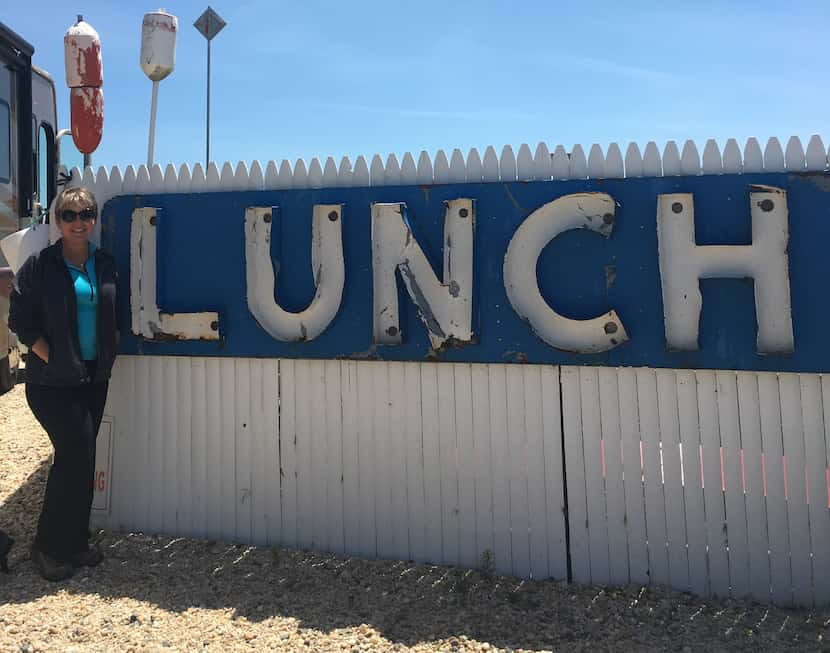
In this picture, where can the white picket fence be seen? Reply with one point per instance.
(527, 166)
(710, 482)
(713, 483)
(409, 461)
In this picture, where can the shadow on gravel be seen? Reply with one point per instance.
(407, 603)
(19, 513)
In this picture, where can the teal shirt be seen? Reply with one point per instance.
(86, 295)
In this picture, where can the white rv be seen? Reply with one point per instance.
(28, 163)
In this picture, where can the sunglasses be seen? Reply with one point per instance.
(85, 215)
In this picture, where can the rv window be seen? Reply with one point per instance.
(5, 142)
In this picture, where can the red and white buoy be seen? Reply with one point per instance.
(84, 77)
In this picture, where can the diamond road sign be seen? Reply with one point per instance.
(209, 24)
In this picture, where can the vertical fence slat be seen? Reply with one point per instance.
(157, 446)
(560, 163)
(305, 487)
(575, 466)
(447, 451)
(535, 471)
(732, 161)
(351, 459)
(792, 426)
(672, 479)
(397, 461)
(635, 516)
(213, 457)
(256, 433)
(554, 479)
(594, 481)
(125, 494)
(517, 457)
(712, 486)
(288, 451)
(143, 474)
(474, 167)
(468, 556)
(821, 541)
(227, 523)
(756, 516)
(441, 168)
(198, 449)
(772, 441)
(483, 460)
(334, 452)
(242, 430)
(366, 453)
(656, 528)
(259, 470)
(318, 454)
(736, 534)
(383, 482)
(184, 442)
(271, 451)
(609, 405)
(816, 469)
(693, 488)
(409, 172)
(501, 482)
(432, 461)
(414, 462)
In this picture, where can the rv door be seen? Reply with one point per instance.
(16, 170)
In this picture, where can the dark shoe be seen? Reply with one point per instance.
(5, 546)
(50, 568)
(89, 558)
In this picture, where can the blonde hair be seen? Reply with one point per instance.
(80, 193)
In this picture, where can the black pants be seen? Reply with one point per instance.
(71, 417)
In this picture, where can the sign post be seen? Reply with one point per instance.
(209, 24)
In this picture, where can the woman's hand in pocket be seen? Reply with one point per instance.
(41, 349)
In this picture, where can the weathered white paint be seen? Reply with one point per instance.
(327, 264)
(742, 543)
(103, 468)
(816, 156)
(147, 320)
(593, 211)
(445, 307)
(683, 263)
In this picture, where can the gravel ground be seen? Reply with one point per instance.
(164, 594)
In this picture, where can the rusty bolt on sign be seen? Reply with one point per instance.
(463, 213)
(333, 216)
(677, 207)
(266, 217)
(767, 206)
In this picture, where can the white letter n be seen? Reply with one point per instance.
(445, 307)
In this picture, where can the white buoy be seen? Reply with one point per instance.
(157, 59)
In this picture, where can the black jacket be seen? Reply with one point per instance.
(43, 305)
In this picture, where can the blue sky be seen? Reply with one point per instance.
(315, 78)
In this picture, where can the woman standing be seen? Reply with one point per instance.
(63, 309)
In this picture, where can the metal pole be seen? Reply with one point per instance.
(152, 125)
(207, 122)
